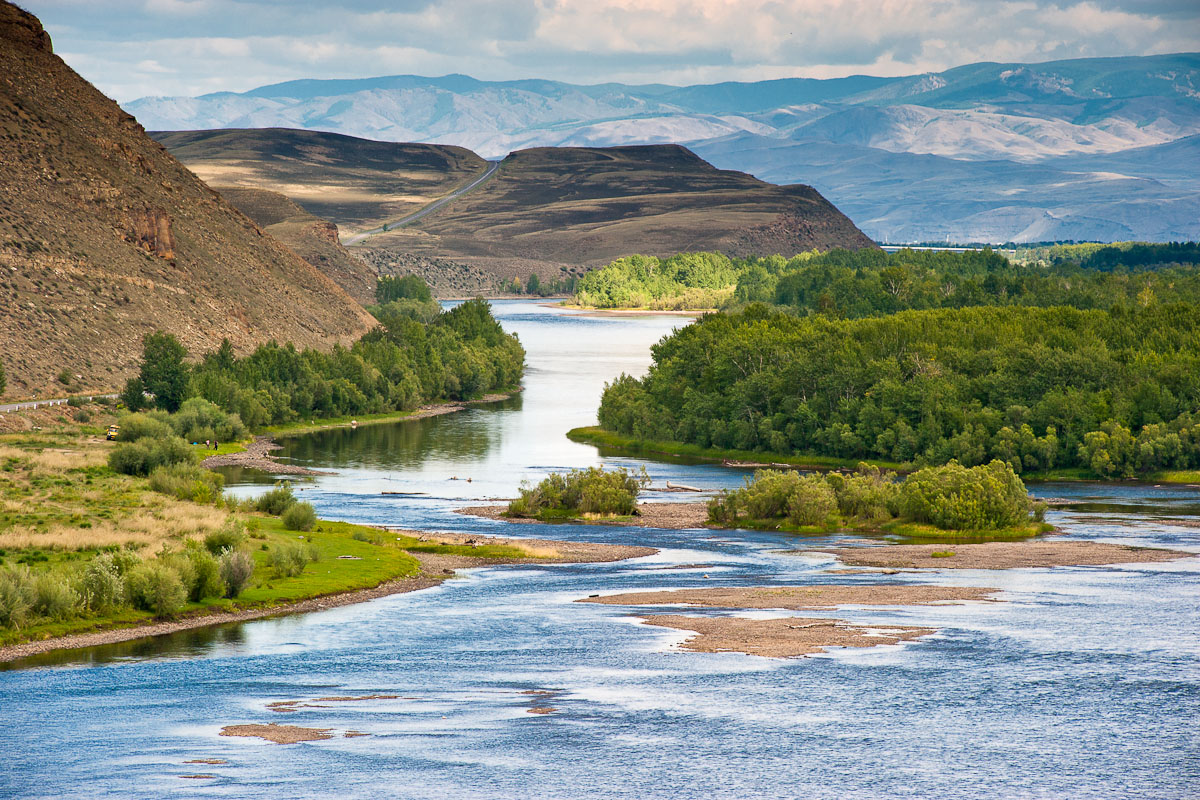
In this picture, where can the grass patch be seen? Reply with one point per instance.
(1174, 476)
(614, 441)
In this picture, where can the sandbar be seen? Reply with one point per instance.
(999, 555)
(781, 638)
(279, 734)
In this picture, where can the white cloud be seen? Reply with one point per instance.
(134, 47)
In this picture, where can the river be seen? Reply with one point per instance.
(1083, 683)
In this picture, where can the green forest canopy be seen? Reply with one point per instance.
(1114, 391)
(402, 363)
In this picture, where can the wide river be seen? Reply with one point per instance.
(1082, 683)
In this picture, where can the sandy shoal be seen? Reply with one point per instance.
(780, 638)
(279, 734)
(435, 568)
(799, 597)
(675, 516)
(999, 555)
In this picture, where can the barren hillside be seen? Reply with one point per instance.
(104, 237)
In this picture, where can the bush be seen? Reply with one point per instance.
(54, 598)
(299, 517)
(955, 497)
(205, 578)
(133, 395)
(187, 482)
(277, 500)
(587, 491)
(101, 586)
(237, 568)
(869, 494)
(229, 536)
(143, 456)
(199, 420)
(289, 559)
(811, 502)
(16, 597)
(153, 586)
(154, 424)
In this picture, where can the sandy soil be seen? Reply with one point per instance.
(780, 638)
(434, 569)
(676, 516)
(798, 597)
(279, 734)
(1000, 555)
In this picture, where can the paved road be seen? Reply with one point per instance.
(429, 209)
(29, 405)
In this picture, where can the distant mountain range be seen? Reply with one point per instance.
(1101, 149)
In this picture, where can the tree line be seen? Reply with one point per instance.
(410, 358)
(1115, 391)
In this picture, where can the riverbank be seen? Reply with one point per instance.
(632, 312)
(256, 454)
(439, 555)
(673, 516)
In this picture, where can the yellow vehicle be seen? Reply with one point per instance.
(113, 432)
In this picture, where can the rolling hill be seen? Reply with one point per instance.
(1021, 115)
(104, 237)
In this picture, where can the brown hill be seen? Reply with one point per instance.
(104, 237)
(357, 183)
(312, 238)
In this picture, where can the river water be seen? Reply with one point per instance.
(1083, 683)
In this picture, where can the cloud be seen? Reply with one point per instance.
(131, 48)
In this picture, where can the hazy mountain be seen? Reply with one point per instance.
(1051, 117)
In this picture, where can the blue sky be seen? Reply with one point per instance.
(133, 48)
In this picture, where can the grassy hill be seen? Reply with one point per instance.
(357, 183)
(104, 237)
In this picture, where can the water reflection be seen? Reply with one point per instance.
(182, 644)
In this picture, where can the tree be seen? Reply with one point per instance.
(134, 394)
(3, 380)
(163, 372)
(534, 284)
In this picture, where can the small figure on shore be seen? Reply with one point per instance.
(206, 444)
(214, 444)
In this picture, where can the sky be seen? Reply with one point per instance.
(136, 48)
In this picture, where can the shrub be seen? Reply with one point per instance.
(54, 598)
(153, 586)
(76, 401)
(143, 456)
(199, 420)
(187, 482)
(155, 424)
(812, 501)
(299, 517)
(961, 498)
(588, 491)
(237, 568)
(277, 500)
(229, 536)
(869, 494)
(289, 559)
(101, 586)
(200, 572)
(16, 597)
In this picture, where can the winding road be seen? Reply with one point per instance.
(429, 209)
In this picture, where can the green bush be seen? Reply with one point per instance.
(229, 536)
(587, 491)
(54, 598)
(143, 456)
(955, 497)
(200, 572)
(153, 424)
(277, 500)
(101, 586)
(17, 597)
(868, 494)
(237, 568)
(299, 517)
(290, 558)
(812, 501)
(187, 482)
(198, 420)
(155, 587)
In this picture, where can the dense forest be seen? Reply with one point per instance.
(860, 283)
(417, 354)
(1114, 391)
